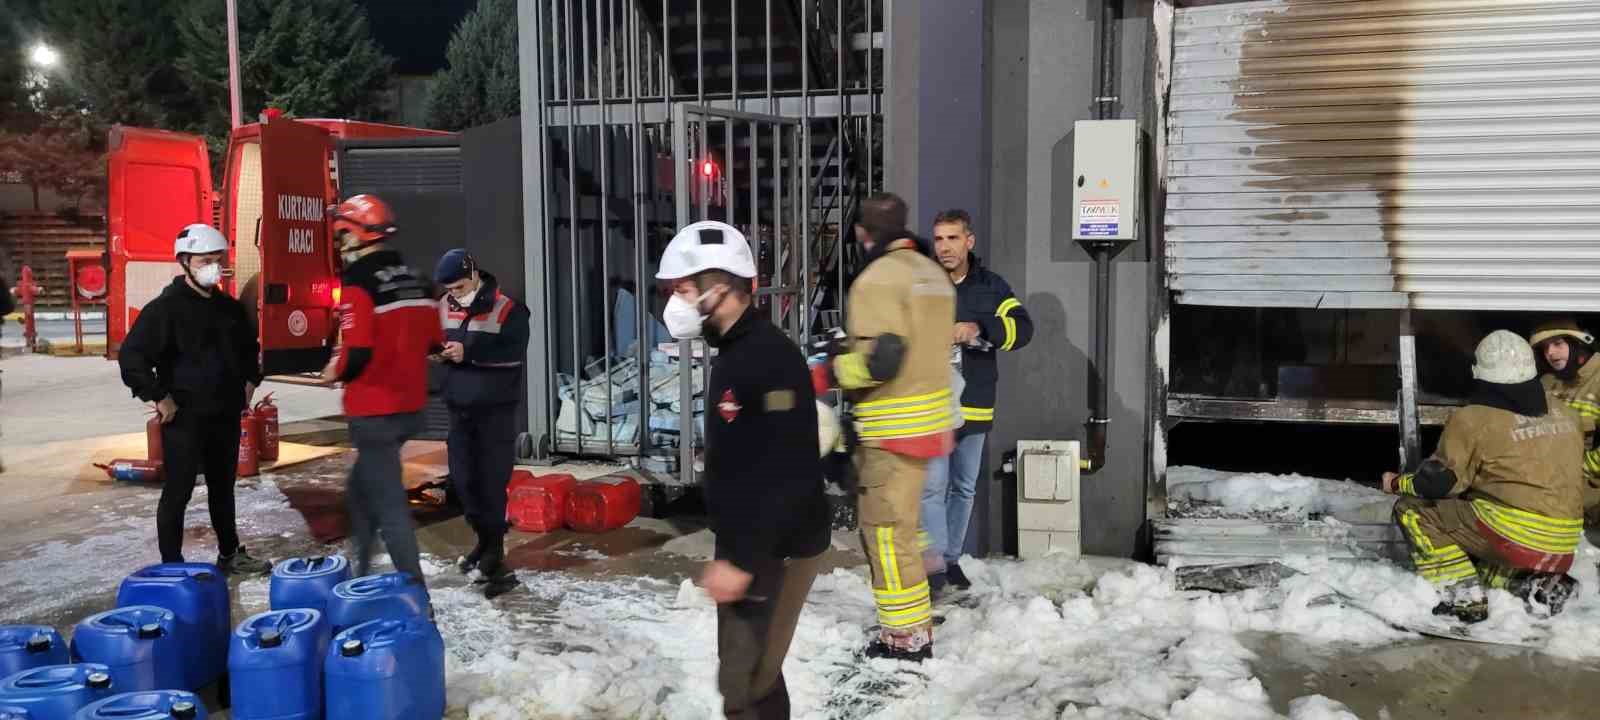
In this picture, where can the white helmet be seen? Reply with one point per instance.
(199, 239)
(1504, 358)
(707, 245)
(827, 428)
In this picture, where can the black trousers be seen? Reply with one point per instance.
(195, 443)
(483, 450)
(753, 637)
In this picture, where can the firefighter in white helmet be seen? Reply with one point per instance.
(192, 353)
(1500, 503)
(764, 486)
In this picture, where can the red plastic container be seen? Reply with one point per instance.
(538, 503)
(603, 504)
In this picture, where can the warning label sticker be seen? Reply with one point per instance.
(1099, 218)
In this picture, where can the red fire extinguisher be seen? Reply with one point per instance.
(249, 445)
(267, 414)
(129, 470)
(152, 438)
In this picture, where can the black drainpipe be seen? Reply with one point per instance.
(1105, 108)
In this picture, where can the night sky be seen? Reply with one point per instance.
(415, 32)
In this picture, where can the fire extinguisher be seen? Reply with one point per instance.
(129, 470)
(267, 414)
(152, 438)
(249, 445)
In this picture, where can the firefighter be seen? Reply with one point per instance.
(1500, 503)
(486, 341)
(896, 371)
(1565, 351)
(989, 320)
(389, 325)
(193, 354)
(764, 486)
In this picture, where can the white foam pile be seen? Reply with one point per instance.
(1202, 492)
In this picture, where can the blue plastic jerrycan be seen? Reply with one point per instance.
(386, 670)
(275, 665)
(390, 595)
(140, 645)
(56, 691)
(24, 647)
(197, 595)
(155, 705)
(307, 582)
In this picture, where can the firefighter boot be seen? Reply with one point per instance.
(240, 563)
(908, 645)
(1544, 593)
(495, 577)
(1464, 601)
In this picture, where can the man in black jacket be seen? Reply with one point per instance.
(764, 486)
(486, 341)
(989, 320)
(193, 353)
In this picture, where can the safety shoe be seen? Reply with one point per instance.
(1549, 590)
(1464, 601)
(494, 576)
(937, 582)
(470, 560)
(880, 649)
(240, 563)
(958, 579)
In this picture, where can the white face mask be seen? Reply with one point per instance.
(682, 318)
(208, 275)
(465, 301)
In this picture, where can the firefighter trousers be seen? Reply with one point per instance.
(890, 503)
(482, 449)
(1449, 545)
(753, 637)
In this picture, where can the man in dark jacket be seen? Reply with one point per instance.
(764, 486)
(486, 341)
(193, 353)
(989, 320)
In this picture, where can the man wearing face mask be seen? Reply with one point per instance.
(388, 326)
(764, 487)
(486, 341)
(896, 372)
(193, 354)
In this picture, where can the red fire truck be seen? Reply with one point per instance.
(281, 174)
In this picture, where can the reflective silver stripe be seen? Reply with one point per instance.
(488, 322)
(403, 304)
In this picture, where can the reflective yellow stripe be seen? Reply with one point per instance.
(924, 540)
(902, 597)
(907, 431)
(1585, 408)
(851, 371)
(1591, 462)
(1530, 530)
(906, 608)
(1004, 313)
(908, 409)
(977, 414)
(1006, 307)
(1407, 484)
(1411, 521)
(909, 420)
(886, 560)
(901, 403)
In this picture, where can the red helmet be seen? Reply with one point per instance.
(366, 217)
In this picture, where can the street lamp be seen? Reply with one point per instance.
(44, 56)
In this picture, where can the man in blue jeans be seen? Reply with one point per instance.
(989, 320)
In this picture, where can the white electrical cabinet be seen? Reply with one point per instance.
(1048, 503)
(1105, 187)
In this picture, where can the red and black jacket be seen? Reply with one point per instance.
(389, 323)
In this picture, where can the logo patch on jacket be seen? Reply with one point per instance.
(728, 406)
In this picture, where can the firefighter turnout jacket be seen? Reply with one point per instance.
(897, 368)
(764, 486)
(1582, 394)
(388, 323)
(984, 298)
(494, 335)
(1522, 476)
(200, 350)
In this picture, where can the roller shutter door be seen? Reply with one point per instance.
(1432, 154)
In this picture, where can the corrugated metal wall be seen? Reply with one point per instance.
(1433, 154)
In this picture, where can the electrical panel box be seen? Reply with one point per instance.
(1106, 182)
(1048, 502)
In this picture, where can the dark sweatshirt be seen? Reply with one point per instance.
(200, 350)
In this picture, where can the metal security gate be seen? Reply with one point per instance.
(640, 116)
(768, 152)
(1402, 154)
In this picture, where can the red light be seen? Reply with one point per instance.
(708, 169)
(337, 291)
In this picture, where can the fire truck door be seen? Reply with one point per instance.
(295, 289)
(157, 182)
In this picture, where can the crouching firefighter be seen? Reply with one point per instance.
(895, 369)
(1500, 504)
(486, 341)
